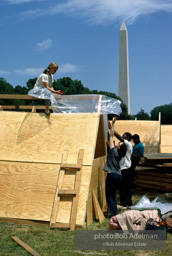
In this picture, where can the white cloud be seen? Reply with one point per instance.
(3, 72)
(29, 71)
(68, 68)
(46, 44)
(103, 11)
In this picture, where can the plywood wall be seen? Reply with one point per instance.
(149, 132)
(166, 138)
(32, 146)
(34, 137)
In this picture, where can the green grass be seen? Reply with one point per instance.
(52, 242)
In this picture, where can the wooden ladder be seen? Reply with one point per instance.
(77, 168)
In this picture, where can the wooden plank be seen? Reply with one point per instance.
(30, 107)
(58, 188)
(64, 225)
(28, 97)
(60, 225)
(25, 222)
(25, 246)
(89, 215)
(168, 195)
(67, 192)
(69, 166)
(158, 156)
(167, 165)
(154, 183)
(75, 201)
(81, 157)
(7, 107)
(57, 198)
(33, 109)
(97, 184)
(77, 188)
(97, 208)
(17, 97)
(155, 174)
(154, 178)
(158, 187)
(146, 168)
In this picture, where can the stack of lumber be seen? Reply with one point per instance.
(155, 172)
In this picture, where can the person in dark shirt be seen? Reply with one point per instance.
(112, 168)
(138, 151)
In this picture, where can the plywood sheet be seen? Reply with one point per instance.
(166, 138)
(27, 190)
(149, 132)
(34, 137)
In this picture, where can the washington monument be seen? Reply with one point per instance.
(124, 92)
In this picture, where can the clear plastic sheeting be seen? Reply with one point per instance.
(40, 93)
(158, 203)
(84, 103)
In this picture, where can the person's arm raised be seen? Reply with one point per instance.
(111, 142)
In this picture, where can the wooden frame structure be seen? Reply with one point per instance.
(51, 167)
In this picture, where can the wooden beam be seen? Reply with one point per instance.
(158, 187)
(67, 192)
(60, 225)
(154, 174)
(25, 222)
(151, 182)
(77, 188)
(31, 106)
(17, 97)
(154, 178)
(7, 107)
(69, 166)
(28, 97)
(64, 225)
(97, 208)
(33, 109)
(25, 246)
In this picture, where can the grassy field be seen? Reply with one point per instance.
(59, 242)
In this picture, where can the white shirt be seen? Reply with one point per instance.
(125, 161)
(44, 78)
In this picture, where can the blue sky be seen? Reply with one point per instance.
(82, 37)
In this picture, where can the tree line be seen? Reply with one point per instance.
(71, 87)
